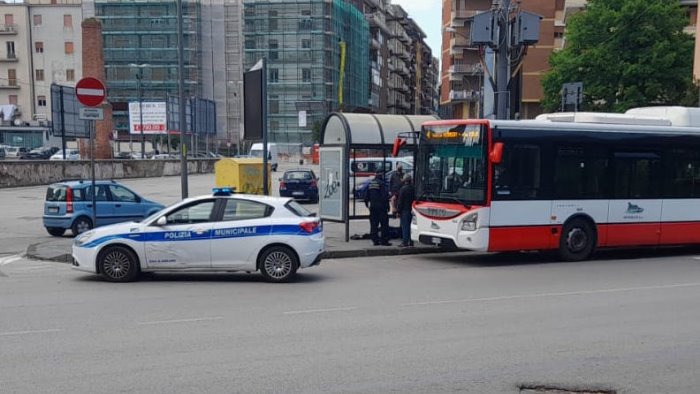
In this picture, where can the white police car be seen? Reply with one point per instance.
(218, 232)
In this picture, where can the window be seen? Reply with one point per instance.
(68, 21)
(274, 106)
(297, 209)
(249, 44)
(518, 177)
(306, 12)
(273, 44)
(637, 175)
(9, 19)
(10, 49)
(199, 212)
(306, 75)
(101, 193)
(12, 99)
(272, 20)
(683, 180)
(39, 75)
(68, 47)
(70, 75)
(274, 75)
(37, 20)
(41, 101)
(306, 43)
(39, 47)
(580, 173)
(245, 210)
(158, 74)
(12, 77)
(122, 194)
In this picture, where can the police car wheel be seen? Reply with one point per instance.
(278, 264)
(81, 225)
(118, 264)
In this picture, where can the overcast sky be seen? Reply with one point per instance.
(428, 15)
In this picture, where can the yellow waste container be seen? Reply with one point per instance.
(245, 175)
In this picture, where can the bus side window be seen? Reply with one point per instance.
(519, 176)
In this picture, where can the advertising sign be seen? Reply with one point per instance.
(332, 193)
(154, 118)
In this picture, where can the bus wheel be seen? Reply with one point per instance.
(577, 240)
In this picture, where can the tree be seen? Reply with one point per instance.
(627, 53)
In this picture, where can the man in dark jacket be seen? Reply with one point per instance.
(377, 200)
(395, 183)
(404, 206)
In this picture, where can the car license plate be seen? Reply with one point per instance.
(437, 241)
(298, 193)
(53, 209)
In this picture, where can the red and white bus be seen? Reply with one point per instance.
(571, 183)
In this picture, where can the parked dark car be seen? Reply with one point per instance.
(39, 153)
(300, 184)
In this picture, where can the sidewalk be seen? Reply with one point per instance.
(59, 248)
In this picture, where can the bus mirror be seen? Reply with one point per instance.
(496, 155)
(398, 143)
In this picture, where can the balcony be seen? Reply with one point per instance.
(462, 15)
(9, 84)
(464, 95)
(8, 58)
(460, 42)
(7, 29)
(468, 69)
(375, 44)
(377, 20)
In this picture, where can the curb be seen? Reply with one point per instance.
(329, 254)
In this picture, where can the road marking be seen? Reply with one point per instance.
(144, 323)
(8, 333)
(563, 294)
(320, 310)
(10, 259)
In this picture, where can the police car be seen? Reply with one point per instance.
(223, 231)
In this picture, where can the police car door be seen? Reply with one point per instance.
(240, 235)
(184, 241)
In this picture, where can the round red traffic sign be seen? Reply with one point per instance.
(90, 92)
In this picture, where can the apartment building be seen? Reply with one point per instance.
(302, 42)
(40, 44)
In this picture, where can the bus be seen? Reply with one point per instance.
(571, 183)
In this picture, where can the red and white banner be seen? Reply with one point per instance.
(153, 121)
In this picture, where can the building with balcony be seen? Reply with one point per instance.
(302, 41)
(40, 44)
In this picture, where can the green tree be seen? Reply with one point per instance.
(627, 53)
(316, 131)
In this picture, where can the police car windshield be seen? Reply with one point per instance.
(150, 218)
(298, 210)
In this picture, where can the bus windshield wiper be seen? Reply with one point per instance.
(458, 201)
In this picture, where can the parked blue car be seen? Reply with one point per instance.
(68, 205)
(300, 184)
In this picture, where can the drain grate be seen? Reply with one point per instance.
(547, 389)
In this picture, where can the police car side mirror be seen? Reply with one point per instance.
(162, 221)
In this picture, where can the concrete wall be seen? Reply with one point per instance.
(31, 173)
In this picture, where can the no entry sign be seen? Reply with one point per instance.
(90, 92)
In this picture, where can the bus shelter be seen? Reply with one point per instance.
(353, 148)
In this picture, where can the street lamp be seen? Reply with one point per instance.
(139, 77)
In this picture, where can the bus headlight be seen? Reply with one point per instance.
(469, 222)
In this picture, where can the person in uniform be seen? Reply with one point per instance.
(377, 200)
(404, 206)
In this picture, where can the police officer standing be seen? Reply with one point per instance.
(377, 200)
(404, 206)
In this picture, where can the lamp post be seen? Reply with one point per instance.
(139, 77)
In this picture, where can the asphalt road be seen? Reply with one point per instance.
(626, 322)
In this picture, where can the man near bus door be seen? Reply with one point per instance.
(377, 200)
(404, 205)
(395, 186)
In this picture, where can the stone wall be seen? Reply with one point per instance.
(35, 172)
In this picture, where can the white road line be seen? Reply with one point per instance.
(320, 310)
(8, 333)
(563, 294)
(144, 323)
(10, 259)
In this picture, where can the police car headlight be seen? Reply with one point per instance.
(84, 238)
(469, 222)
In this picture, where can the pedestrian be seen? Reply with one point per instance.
(404, 205)
(394, 186)
(377, 200)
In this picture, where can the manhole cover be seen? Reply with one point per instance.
(545, 389)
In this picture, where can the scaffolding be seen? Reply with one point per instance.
(301, 41)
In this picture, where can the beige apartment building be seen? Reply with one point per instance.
(40, 44)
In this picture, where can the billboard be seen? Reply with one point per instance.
(332, 195)
(65, 110)
(154, 117)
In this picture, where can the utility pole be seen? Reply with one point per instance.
(181, 91)
(508, 34)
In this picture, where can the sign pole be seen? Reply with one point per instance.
(91, 126)
(266, 175)
(182, 104)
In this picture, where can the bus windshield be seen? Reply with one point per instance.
(452, 165)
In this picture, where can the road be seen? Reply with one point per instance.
(627, 322)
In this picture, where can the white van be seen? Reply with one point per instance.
(364, 168)
(272, 152)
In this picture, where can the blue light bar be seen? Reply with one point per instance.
(223, 191)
